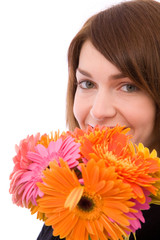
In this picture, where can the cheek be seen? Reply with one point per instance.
(140, 118)
(142, 121)
(145, 115)
(79, 109)
(140, 112)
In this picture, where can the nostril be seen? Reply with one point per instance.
(96, 116)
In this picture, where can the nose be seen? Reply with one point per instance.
(103, 106)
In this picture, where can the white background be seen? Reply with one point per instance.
(34, 38)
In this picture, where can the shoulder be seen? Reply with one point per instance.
(47, 234)
(151, 228)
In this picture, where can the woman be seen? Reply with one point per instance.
(114, 77)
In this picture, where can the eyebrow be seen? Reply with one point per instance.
(84, 72)
(112, 77)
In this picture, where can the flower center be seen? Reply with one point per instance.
(89, 206)
(86, 204)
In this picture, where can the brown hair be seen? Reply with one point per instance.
(128, 35)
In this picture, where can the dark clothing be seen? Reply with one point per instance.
(149, 231)
(46, 234)
(151, 228)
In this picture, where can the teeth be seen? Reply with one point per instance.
(90, 126)
(111, 127)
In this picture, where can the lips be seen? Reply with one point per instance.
(111, 127)
(92, 126)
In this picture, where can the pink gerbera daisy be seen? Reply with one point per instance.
(21, 163)
(137, 217)
(40, 159)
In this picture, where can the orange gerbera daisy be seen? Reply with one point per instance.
(113, 139)
(46, 138)
(35, 209)
(97, 209)
(134, 166)
(141, 150)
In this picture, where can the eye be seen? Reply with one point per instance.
(129, 88)
(86, 84)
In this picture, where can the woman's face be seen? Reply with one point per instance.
(104, 96)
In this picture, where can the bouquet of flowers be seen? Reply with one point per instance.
(90, 184)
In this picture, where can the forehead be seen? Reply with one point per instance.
(91, 61)
(88, 51)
